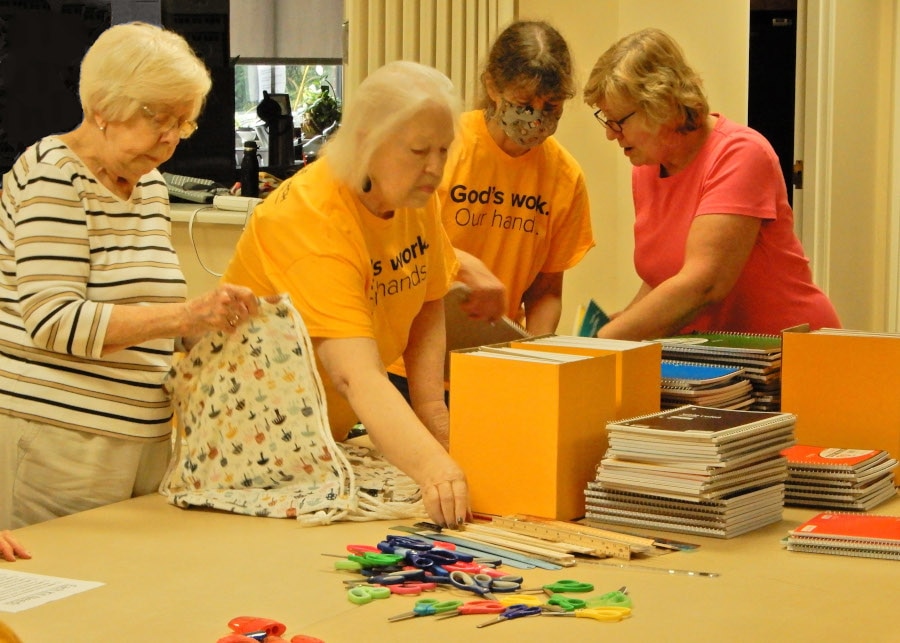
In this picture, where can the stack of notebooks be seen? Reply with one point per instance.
(703, 385)
(841, 479)
(694, 469)
(848, 534)
(758, 355)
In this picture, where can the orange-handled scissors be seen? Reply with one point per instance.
(476, 607)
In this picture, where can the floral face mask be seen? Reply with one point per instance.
(527, 126)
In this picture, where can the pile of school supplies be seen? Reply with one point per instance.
(848, 534)
(717, 386)
(758, 355)
(694, 469)
(842, 479)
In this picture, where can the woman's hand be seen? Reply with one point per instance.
(10, 549)
(445, 494)
(487, 297)
(220, 309)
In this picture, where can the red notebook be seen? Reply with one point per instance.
(851, 526)
(820, 457)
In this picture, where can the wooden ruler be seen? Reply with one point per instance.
(601, 546)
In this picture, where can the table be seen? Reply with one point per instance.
(179, 575)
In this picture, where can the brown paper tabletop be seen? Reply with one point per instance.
(179, 575)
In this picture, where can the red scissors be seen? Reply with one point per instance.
(412, 588)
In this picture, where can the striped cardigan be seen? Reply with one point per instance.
(69, 251)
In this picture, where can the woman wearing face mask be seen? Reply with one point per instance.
(514, 201)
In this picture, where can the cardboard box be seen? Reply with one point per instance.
(844, 388)
(638, 370)
(530, 433)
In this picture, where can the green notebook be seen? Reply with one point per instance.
(725, 342)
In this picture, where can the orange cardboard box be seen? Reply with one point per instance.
(844, 388)
(638, 370)
(529, 433)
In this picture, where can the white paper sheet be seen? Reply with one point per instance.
(21, 591)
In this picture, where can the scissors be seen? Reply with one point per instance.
(427, 607)
(411, 588)
(476, 568)
(477, 584)
(609, 614)
(371, 559)
(563, 586)
(618, 598)
(476, 607)
(389, 578)
(391, 543)
(359, 550)
(567, 603)
(436, 558)
(362, 594)
(520, 599)
(513, 611)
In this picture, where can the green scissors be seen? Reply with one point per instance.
(568, 604)
(362, 594)
(618, 598)
(371, 559)
(427, 607)
(560, 587)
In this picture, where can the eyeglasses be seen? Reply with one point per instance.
(615, 126)
(165, 123)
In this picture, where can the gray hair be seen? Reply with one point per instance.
(380, 108)
(135, 64)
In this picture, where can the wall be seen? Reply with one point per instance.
(847, 215)
(209, 250)
(607, 272)
(860, 147)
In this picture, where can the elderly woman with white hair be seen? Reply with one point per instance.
(93, 298)
(356, 240)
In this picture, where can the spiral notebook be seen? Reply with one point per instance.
(848, 534)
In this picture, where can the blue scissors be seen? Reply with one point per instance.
(427, 607)
(362, 594)
(511, 612)
(391, 543)
(435, 560)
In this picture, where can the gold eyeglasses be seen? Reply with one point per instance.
(615, 126)
(165, 123)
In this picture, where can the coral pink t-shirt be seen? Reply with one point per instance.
(735, 172)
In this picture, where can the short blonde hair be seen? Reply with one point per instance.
(380, 108)
(648, 68)
(135, 64)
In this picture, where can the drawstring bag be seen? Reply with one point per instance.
(254, 436)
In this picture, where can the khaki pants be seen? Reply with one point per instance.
(47, 472)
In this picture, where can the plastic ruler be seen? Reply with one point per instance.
(601, 546)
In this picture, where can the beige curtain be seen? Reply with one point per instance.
(451, 35)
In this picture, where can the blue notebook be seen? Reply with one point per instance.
(687, 374)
